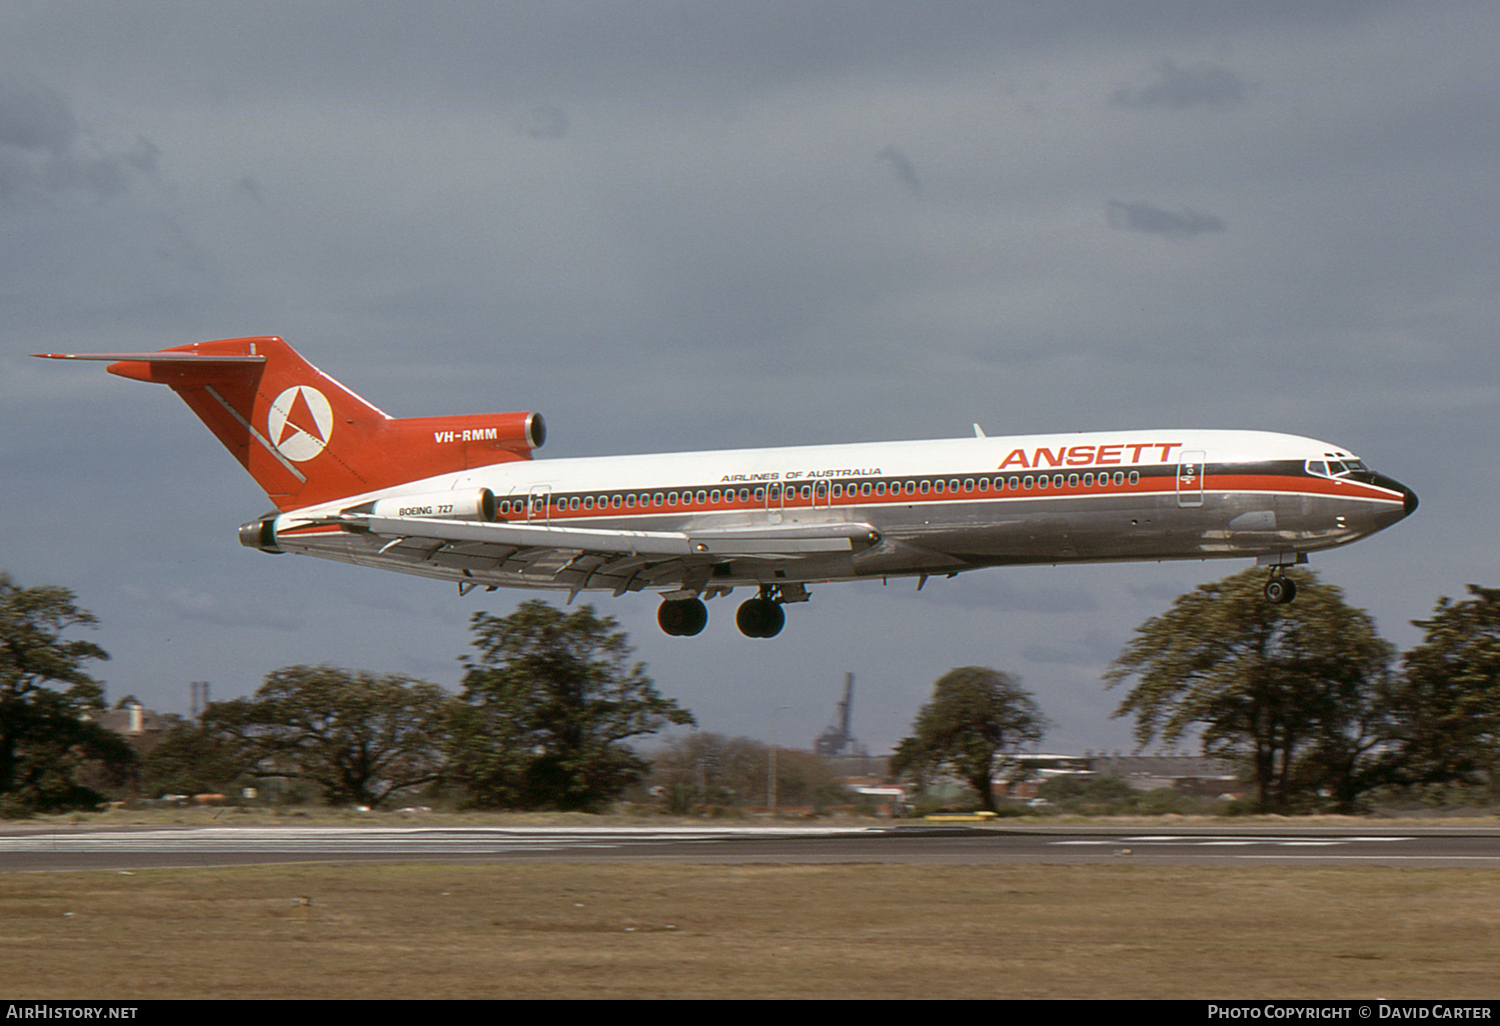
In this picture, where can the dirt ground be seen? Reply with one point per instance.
(693, 931)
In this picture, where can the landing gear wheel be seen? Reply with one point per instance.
(760, 618)
(1280, 590)
(682, 618)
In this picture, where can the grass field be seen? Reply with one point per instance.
(670, 930)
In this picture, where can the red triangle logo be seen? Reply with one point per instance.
(300, 418)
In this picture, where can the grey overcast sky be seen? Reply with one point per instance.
(673, 225)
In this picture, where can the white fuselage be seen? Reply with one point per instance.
(932, 507)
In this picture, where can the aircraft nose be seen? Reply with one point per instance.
(1409, 497)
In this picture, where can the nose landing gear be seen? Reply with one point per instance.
(1280, 590)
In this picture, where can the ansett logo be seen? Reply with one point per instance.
(300, 423)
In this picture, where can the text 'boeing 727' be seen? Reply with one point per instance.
(460, 498)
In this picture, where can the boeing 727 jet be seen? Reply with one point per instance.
(460, 498)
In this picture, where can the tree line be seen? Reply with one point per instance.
(1318, 710)
(548, 704)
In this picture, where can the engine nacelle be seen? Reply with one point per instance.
(260, 534)
(465, 504)
(482, 437)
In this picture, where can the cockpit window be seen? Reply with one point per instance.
(1349, 468)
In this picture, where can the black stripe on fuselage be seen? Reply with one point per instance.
(897, 489)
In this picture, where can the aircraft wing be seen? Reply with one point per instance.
(579, 557)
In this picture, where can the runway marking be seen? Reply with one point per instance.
(444, 840)
(1189, 840)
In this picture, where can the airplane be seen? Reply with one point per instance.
(460, 498)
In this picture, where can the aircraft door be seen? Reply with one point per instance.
(775, 501)
(538, 505)
(1190, 478)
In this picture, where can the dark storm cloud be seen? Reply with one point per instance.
(1094, 648)
(1175, 88)
(44, 151)
(704, 251)
(33, 117)
(1153, 220)
(902, 167)
(543, 123)
(248, 186)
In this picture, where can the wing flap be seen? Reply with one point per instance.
(765, 542)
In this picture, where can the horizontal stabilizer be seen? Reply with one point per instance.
(152, 357)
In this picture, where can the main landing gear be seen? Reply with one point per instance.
(760, 617)
(682, 618)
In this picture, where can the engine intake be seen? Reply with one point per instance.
(260, 534)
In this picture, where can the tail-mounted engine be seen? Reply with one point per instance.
(261, 534)
(464, 504)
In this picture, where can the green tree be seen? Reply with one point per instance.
(191, 758)
(45, 699)
(359, 736)
(1448, 703)
(976, 718)
(548, 705)
(1300, 691)
(717, 770)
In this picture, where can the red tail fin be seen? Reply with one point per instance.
(305, 438)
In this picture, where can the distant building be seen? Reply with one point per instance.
(1190, 774)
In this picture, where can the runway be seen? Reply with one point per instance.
(23, 849)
